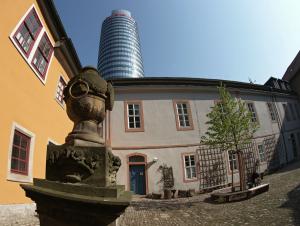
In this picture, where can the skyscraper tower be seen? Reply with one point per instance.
(119, 49)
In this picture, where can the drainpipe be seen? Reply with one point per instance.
(280, 123)
(198, 119)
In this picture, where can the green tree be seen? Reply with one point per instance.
(230, 128)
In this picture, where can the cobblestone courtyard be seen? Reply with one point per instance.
(279, 206)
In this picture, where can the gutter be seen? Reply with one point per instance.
(184, 82)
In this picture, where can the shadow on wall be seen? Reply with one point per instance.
(276, 151)
(293, 203)
(286, 147)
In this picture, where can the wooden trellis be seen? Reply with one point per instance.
(212, 165)
(272, 152)
(249, 159)
(212, 169)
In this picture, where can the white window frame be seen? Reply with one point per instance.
(56, 91)
(272, 111)
(134, 116)
(189, 167)
(233, 160)
(261, 154)
(184, 115)
(14, 176)
(28, 59)
(254, 117)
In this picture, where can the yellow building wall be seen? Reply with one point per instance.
(26, 101)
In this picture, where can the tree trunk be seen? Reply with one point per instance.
(232, 187)
(241, 171)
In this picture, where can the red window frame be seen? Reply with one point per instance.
(24, 24)
(47, 58)
(59, 91)
(18, 148)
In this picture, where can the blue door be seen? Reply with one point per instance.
(137, 179)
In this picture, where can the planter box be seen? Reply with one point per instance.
(156, 196)
(259, 189)
(167, 194)
(223, 195)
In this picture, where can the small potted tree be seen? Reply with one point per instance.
(230, 127)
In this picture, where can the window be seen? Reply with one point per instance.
(27, 32)
(60, 88)
(272, 111)
(261, 152)
(31, 40)
(42, 56)
(183, 115)
(134, 116)
(20, 153)
(232, 160)
(276, 84)
(252, 111)
(136, 158)
(190, 166)
(286, 112)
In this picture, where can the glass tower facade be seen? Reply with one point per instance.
(119, 49)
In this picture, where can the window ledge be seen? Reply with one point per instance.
(19, 178)
(185, 128)
(135, 130)
(234, 171)
(190, 180)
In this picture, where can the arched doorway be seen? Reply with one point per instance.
(137, 173)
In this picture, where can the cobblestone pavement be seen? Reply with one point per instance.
(279, 206)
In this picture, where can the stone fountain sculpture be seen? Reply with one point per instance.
(80, 186)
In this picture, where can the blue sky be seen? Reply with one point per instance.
(219, 39)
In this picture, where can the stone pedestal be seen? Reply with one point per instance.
(80, 187)
(65, 204)
(89, 165)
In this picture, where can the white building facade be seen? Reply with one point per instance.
(160, 121)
